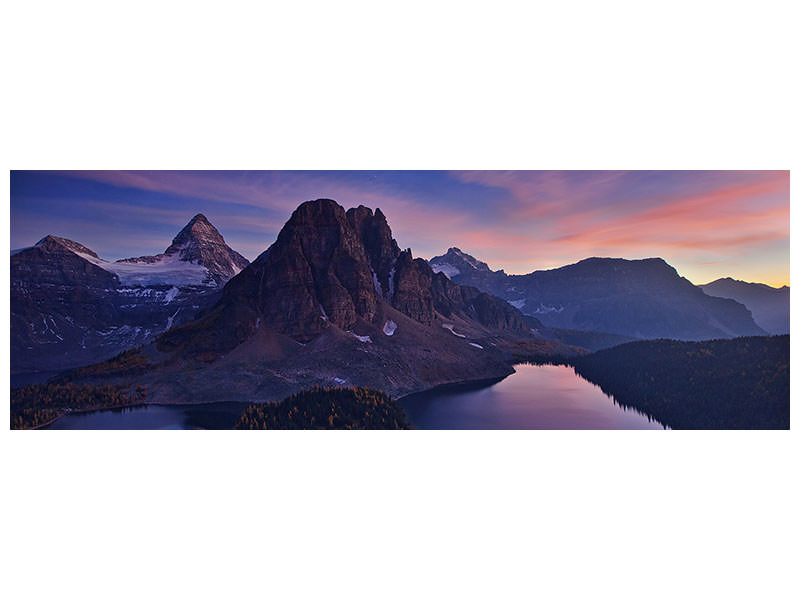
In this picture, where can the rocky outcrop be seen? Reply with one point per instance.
(484, 308)
(314, 274)
(380, 248)
(413, 292)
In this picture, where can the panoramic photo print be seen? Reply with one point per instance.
(399, 300)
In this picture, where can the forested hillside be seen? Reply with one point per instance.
(741, 383)
(327, 408)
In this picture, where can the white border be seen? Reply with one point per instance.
(416, 85)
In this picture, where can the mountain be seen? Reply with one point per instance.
(769, 305)
(198, 244)
(644, 299)
(333, 301)
(456, 262)
(69, 307)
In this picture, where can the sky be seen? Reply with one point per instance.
(707, 224)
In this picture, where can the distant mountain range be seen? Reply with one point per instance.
(69, 307)
(769, 305)
(640, 299)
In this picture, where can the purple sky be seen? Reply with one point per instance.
(708, 224)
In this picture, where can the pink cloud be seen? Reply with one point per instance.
(731, 212)
(541, 219)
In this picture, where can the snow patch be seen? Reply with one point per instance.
(140, 292)
(449, 327)
(171, 295)
(472, 262)
(49, 329)
(376, 283)
(361, 338)
(476, 345)
(449, 270)
(166, 270)
(389, 327)
(543, 310)
(391, 283)
(171, 319)
(339, 380)
(324, 315)
(517, 303)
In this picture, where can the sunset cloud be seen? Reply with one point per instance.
(705, 223)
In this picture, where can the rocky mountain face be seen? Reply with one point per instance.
(769, 305)
(644, 299)
(335, 301)
(69, 307)
(331, 267)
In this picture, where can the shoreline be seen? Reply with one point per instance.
(79, 411)
(466, 384)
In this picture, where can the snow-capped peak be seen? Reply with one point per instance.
(470, 260)
(199, 244)
(456, 262)
(197, 256)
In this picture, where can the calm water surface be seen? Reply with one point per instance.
(219, 415)
(535, 397)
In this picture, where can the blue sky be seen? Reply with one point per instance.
(708, 224)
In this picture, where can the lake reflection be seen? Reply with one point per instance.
(535, 397)
(218, 415)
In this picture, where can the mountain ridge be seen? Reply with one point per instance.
(644, 299)
(769, 305)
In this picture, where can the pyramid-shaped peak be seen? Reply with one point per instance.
(200, 222)
(199, 218)
(199, 242)
(198, 229)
